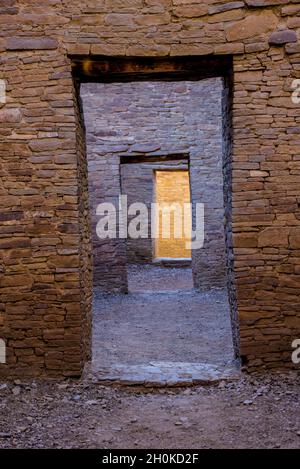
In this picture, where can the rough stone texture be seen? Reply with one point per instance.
(180, 117)
(283, 37)
(161, 374)
(40, 309)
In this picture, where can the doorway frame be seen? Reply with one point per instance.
(102, 69)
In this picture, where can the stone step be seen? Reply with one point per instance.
(161, 374)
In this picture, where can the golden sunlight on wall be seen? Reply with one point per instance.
(172, 192)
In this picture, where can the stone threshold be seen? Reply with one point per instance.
(148, 293)
(167, 374)
(172, 262)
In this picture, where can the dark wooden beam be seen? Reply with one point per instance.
(114, 69)
(144, 158)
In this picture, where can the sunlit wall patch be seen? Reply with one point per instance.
(2, 351)
(2, 92)
(296, 353)
(296, 91)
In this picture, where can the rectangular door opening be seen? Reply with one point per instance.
(173, 209)
(160, 137)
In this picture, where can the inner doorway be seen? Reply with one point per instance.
(167, 205)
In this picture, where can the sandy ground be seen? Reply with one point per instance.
(251, 413)
(173, 326)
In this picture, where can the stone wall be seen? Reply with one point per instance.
(41, 284)
(156, 118)
(85, 246)
(44, 299)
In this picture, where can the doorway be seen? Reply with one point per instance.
(173, 314)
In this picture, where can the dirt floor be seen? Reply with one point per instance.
(255, 412)
(171, 325)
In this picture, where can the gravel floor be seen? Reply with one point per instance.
(159, 279)
(255, 412)
(174, 326)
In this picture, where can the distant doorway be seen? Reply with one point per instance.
(173, 198)
(160, 140)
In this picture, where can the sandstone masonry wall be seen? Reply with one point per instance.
(41, 284)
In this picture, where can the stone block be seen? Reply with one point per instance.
(108, 49)
(294, 239)
(10, 116)
(264, 3)
(230, 48)
(279, 38)
(292, 48)
(231, 15)
(190, 11)
(245, 240)
(274, 237)
(31, 43)
(252, 26)
(225, 7)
